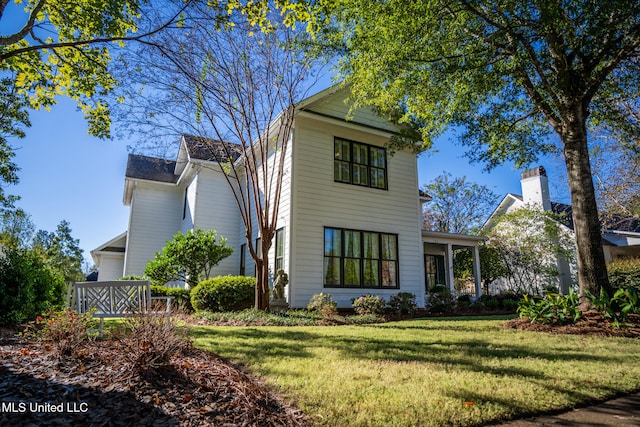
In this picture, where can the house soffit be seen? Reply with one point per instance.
(451, 238)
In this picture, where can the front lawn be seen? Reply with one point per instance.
(428, 371)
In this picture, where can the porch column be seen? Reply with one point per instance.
(477, 274)
(450, 278)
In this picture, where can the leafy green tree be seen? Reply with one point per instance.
(189, 257)
(13, 119)
(65, 48)
(28, 286)
(16, 229)
(492, 265)
(507, 74)
(457, 206)
(61, 251)
(61, 49)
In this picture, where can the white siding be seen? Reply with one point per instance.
(320, 202)
(337, 106)
(156, 212)
(188, 205)
(284, 214)
(215, 208)
(111, 267)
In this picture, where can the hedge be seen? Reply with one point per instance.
(181, 296)
(224, 293)
(624, 272)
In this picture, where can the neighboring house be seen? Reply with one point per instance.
(109, 258)
(621, 237)
(349, 220)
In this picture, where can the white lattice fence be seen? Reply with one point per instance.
(117, 298)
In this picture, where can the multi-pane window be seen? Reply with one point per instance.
(184, 204)
(279, 249)
(243, 258)
(434, 269)
(258, 249)
(359, 164)
(362, 259)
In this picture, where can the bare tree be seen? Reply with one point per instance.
(234, 87)
(616, 167)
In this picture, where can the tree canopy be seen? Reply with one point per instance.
(61, 48)
(189, 257)
(457, 206)
(506, 74)
(61, 251)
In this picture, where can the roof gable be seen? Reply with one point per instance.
(334, 103)
(151, 169)
(200, 148)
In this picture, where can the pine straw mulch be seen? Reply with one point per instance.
(592, 323)
(97, 387)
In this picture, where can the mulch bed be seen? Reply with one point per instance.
(592, 323)
(98, 387)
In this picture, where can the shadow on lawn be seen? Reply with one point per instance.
(256, 343)
(253, 342)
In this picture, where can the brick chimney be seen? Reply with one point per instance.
(535, 188)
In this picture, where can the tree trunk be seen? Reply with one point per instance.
(262, 279)
(258, 289)
(592, 271)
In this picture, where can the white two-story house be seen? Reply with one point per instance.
(350, 217)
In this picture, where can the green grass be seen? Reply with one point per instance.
(429, 371)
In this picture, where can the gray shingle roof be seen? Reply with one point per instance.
(210, 149)
(151, 168)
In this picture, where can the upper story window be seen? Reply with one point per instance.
(359, 164)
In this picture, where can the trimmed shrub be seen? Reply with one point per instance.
(488, 302)
(463, 302)
(510, 304)
(440, 302)
(28, 287)
(323, 304)
(224, 293)
(403, 303)
(624, 273)
(133, 277)
(369, 304)
(181, 296)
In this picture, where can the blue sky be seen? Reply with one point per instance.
(67, 174)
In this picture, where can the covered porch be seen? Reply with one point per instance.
(439, 258)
